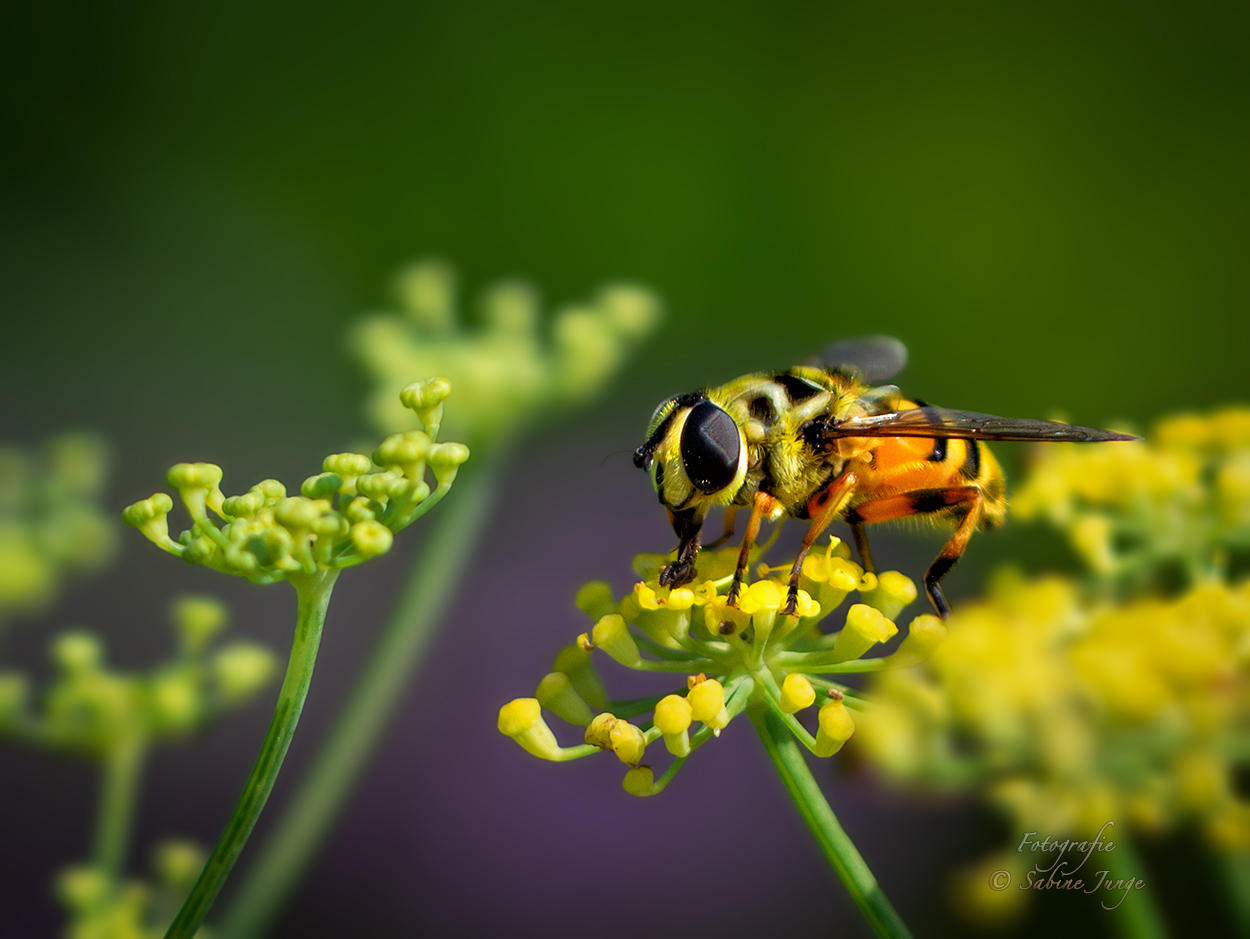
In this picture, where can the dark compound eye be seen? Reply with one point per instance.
(710, 447)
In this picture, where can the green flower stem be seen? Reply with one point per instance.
(1236, 869)
(308, 816)
(838, 848)
(1136, 917)
(314, 597)
(118, 791)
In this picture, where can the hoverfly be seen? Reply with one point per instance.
(820, 442)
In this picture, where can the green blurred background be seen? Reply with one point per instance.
(1050, 204)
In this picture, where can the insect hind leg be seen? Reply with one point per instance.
(964, 501)
(951, 553)
(861, 546)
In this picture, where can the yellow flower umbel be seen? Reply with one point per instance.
(749, 656)
(1070, 705)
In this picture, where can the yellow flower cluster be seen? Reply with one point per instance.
(1181, 498)
(49, 523)
(733, 657)
(344, 515)
(1069, 707)
(505, 371)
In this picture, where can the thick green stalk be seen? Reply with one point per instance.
(314, 596)
(307, 818)
(1135, 915)
(788, 758)
(118, 790)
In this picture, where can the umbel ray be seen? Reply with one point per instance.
(822, 441)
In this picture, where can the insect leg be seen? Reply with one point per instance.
(731, 515)
(861, 545)
(763, 505)
(963, 501)
(823, 509)
(951, 553)
(687, 526)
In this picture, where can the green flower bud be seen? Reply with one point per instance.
(595, 599)
(271, 489)
(427, 291)
(511, 310)
(198, 619)
(82, 889)
(241, 669)
(198, 484)
(244, 506)
(75, 653)
(322, 486)
(639, 781)
(174, 701)
(556, 693)
(632, 311)
(347, 465)
(406, 451)
(79, 462)
(177, 864)
(361, 509)
(445, 460)
(371, 538)
(296, 514)
(612, 636)
(426, 399)
(151, 516)
(577, 664)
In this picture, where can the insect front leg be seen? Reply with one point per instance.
(687, 526)
(764, 504)
(823, 508)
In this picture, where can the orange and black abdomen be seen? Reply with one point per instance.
(927, 477)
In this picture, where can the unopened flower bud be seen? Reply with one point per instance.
(426, 399)
(75, 653)
(197, 620)
(242, 669)
(925, 634)
(445, 461)
(707, 702)
(612, 636)
(522, 720)
(322, 486)
(371, 538)
(865, 627)
(796, 693)
(595, 599)
(639, 781)
(579, 666)
(893, 592)
(557, 694)
(835, 728)
(673, 716)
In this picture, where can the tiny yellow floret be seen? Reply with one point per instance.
(835, 728)
(522, 720)
(796, 693)
(865, 627)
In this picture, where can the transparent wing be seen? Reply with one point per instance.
(969, 425)
(870, 358)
